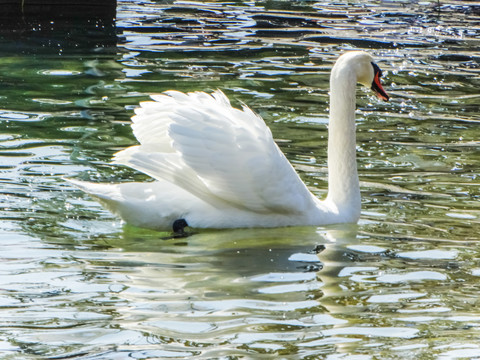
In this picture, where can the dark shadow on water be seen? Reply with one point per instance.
(59, 27)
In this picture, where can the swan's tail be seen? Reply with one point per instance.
(155, 205)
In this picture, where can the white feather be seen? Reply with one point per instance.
(221, 154)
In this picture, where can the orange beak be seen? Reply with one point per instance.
(378, 88)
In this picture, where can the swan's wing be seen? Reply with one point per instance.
(221, 154)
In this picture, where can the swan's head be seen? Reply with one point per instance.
(368, 73)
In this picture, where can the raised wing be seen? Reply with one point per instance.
(218, 153)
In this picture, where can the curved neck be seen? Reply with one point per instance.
(343, 184)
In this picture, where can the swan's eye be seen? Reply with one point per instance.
(377, 70)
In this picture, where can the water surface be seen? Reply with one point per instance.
(76, 283)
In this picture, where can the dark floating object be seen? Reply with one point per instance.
(179, 226)
(317, 249)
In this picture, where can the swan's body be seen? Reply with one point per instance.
(218, 167)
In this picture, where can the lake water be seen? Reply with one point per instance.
(75, 283)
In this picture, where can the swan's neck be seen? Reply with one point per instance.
(343, 184)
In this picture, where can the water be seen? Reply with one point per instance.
(76, 283)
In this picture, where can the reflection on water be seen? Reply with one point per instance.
(403, 283)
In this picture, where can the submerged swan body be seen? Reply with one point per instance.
(216, 166)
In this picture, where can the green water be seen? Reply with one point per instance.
(75, 283)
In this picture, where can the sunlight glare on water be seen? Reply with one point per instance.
(76, 283)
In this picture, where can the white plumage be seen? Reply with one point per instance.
(214, 166)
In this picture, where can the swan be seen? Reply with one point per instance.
(216, 166)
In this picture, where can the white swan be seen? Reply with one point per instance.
(216, 166)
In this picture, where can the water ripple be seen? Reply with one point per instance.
(76, 283)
